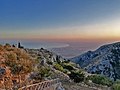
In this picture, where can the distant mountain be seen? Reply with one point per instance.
(105, 61)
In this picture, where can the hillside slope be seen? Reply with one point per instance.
(105, 60)
(21, 67)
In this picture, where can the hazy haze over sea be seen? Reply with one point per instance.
(65, 49)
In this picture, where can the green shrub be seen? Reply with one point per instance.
(68, 67)
(77, 76)
(98, 79)
(58, 67)
(7, 44)
(116, 85)
(8, 47)
(44, 71)
(41, 73)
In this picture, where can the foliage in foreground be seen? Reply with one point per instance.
(19, 62)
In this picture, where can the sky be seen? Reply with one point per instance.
(74, 20)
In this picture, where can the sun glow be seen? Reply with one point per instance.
(98, 31)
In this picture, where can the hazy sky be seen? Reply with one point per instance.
(60, 19)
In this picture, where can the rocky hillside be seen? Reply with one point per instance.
(20, 67)
(105, 61)
(59, 67)
(70, 74)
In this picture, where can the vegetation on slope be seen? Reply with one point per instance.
(17, 63)
(98, 79)
(40, 64)
(116, 85)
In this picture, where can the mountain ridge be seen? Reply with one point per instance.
(105, 60)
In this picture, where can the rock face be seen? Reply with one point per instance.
(45, 55)
(105, 61)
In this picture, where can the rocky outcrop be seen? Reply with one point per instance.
(45, 55)
(48, 59)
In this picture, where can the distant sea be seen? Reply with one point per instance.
(36, 44)
(65, 49)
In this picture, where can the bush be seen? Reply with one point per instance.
(12, 56)
(116, 85)
(77, 76)
(19, 63)
(7, 46)
(68, 67)
(41, 73)
(10, 59)
(58, 67)
(16, 69)
(98, 79)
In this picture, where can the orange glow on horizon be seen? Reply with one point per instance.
(62, 38)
